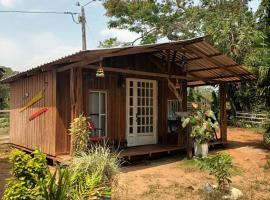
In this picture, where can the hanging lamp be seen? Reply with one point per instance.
(100, 71)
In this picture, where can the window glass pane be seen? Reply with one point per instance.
(131, 101)
(139, 129)
(131, 112)
(131, 120)
(143, 129)
(143, 84)
(138, 92)
(130, 129)
(94, 119)
(147, 129)
(131, 83)
(131, 92)
(102, 125)
(94, 103)
(102, 103)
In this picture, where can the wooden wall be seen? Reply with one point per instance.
(40, 132)
(63, 113)
(116, 97)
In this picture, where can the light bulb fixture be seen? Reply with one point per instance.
(100, 71)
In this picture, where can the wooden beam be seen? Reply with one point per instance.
(198, 58)
(122, 70)
(213, 68)
(209, 59)
(223, 112)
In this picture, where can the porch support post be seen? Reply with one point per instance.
(76, 99)
(223, 112)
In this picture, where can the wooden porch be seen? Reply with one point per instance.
(149, 150)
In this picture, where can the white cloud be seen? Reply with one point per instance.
(122, 35)
(9, 3)
(33, 51)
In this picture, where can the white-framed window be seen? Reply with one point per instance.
(98, 111)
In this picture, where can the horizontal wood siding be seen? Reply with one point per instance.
(40, 132)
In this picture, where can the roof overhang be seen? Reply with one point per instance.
(205, 65)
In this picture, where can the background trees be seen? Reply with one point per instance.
(231, 25)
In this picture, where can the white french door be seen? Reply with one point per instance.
(141, 109)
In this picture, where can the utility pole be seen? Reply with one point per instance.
(82, 20)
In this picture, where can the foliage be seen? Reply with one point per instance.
(220, 166)
(93, 172)
(58, 186)
(28, 172)
(202, 126)
(4, 89)
(4, 122)
(80, 133)
(108, 43)
(231, 26)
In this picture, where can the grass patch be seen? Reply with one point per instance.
(189, 166)
(267, 164)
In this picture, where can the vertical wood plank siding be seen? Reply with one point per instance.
(40, 132)
(63, 113)
(116, 98)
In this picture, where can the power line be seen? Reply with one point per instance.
(37, 12)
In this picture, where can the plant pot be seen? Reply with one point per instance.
(201, 150)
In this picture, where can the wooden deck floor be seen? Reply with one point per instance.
(128, 153)
(148, 150)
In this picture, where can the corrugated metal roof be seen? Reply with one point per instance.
(203, 61)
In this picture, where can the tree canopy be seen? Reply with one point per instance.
(230, 25)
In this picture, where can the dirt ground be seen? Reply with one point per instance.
(174, 177)
(177, 178)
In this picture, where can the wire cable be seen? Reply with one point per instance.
(37, 12)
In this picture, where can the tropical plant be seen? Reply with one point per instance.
(92, 173)
(203, 125)
(58, 185)
(28, 172)
(80, 132)
(220, 166)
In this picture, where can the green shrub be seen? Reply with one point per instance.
(80, 133)
(4, 122)
(92, 173)
(220, 166)
(28, 172)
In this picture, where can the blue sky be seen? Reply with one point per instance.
(27, 40)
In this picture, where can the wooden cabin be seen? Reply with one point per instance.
(130, 103)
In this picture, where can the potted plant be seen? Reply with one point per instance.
(203, 126)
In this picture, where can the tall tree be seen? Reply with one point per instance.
(230, 25)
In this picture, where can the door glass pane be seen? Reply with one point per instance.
(102, 103)
(94, 103)
(131, 130)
